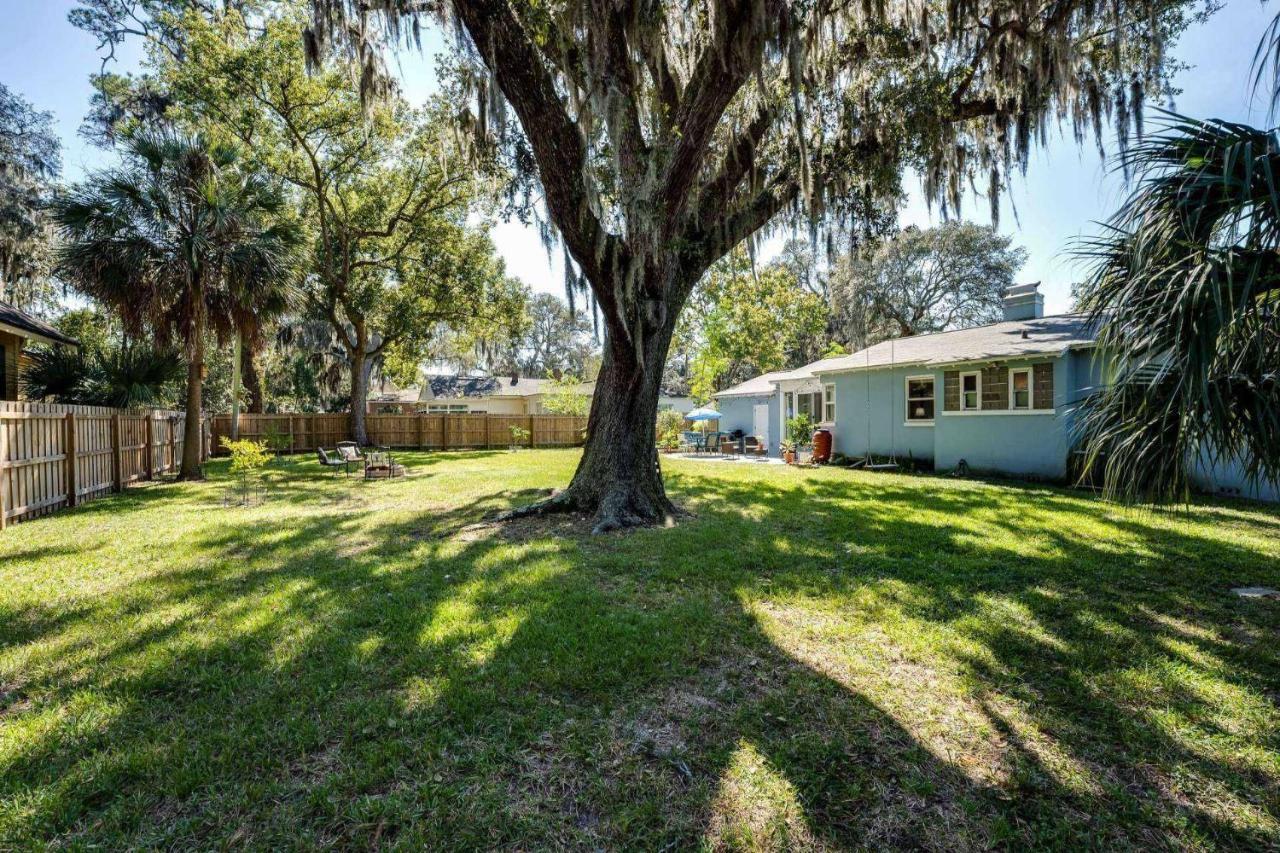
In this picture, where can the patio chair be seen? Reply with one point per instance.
(753, 445)
(335, 462)
(349, 451)
(381, 465)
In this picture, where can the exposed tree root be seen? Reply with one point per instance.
(617, 509)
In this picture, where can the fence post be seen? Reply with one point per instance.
(444, 432)
(117, 461)
(533, 440)
(4, 474)
(422, 430)
(73, 490)
(151, 445)
(173, 444)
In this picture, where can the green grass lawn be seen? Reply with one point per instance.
(816, 658)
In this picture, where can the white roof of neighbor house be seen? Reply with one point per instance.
(759, 386)
(1010, 339)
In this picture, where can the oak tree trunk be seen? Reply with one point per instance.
(191, 437)
(618, 480)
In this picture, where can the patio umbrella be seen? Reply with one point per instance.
(704, 413)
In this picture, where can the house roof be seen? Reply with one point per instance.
(1010, 339)
(402, 395)
(22, 323)
(454, 387)
(760, 386)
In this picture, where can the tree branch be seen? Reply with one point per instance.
(557, 145)
(721, 71)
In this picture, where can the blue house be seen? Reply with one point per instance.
(1000, 398)
(753, 408)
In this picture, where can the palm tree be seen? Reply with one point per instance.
(174, 240)
(124, 376)
(1185, 289)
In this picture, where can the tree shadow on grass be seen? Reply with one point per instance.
(830, 663)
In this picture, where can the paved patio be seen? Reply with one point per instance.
(727, 457)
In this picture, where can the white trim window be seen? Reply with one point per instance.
(971, 391)
(808, 403)
(828, 403)
(448, 409)
(920, 399)
(1020, 388)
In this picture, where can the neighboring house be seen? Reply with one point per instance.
(402, 401)
(508, 395)
(17, 330)
(1000, 398)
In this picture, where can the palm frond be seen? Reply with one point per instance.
(1184, 287)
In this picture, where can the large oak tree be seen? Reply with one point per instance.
(663, 134)
(386, 195)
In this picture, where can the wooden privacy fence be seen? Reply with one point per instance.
(298, 433)
(53, 456)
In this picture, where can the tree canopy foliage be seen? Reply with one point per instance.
(743, 321)
(386, 194)
(664, 134)
(924, 280)
(178, 240)
(396, 256)
(30, 163)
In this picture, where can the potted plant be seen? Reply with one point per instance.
(788, 451)
(799, 437)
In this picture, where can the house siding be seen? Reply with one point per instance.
(9, 359)
(739, 413)
(871, 412)
(1019, 443)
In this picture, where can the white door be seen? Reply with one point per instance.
(760, 422)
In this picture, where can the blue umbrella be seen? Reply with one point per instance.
(706, 413)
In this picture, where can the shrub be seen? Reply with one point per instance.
(670, 424)
(519, 436)
(277, 442)
(800, 430)
(247, 459)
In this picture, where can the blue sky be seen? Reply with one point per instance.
(1065, 191)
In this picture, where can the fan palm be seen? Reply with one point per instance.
(122, 377)
(1185, 289)
(175, 241)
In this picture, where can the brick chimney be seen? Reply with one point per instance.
(1023, 302)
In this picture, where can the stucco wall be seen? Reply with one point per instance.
(1034, 443)
(739, 413)
(1021, 444)
(880, 428)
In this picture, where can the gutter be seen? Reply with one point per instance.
(944, 364)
